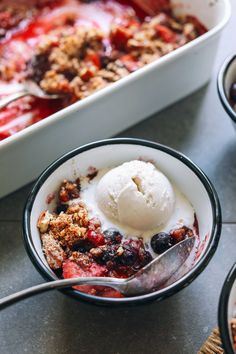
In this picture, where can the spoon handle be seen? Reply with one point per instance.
(57, 284)
(10, 98)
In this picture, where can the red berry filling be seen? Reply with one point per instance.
(73, 270)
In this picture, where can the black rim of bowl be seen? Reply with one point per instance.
(223, 311)
(221, 87)
(183, 282)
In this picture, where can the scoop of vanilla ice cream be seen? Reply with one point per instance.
(136, 195)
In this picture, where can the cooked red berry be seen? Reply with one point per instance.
(181, 233)
(94, 223)
(73, 270)
(120, 36)
(109, 292)
(96, 239)
(166, 34)
(87, 73)
(68, 190)
(64, 196)
(161, 242)
(130, 63)
(93, 58)
(96, 270)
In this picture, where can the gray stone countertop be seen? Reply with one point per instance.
(53, 323)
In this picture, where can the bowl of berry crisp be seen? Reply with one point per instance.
(227, 312)
(110, 207)
(226, 86)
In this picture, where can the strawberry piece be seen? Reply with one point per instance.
(109, 292)
(132, 23)
(152, 7)
(73, 270)
(97, 270)
(87, 73)
(95, 238)
(181, 233)
(94, 59)
(4, 135)
(94, 223)
(120, 36)
(166, 34)
(64, 196)
(130, 63)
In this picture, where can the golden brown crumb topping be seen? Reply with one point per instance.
(60, 232)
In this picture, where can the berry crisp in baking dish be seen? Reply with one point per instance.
(74, 48)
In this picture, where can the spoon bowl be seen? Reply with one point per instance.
(29, 88)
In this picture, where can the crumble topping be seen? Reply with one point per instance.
(79, 61)
(53, 251)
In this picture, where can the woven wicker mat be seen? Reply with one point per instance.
(213, 344)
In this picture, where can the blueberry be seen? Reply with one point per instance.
(232, 92)
(107, 254)
(144, 257)
(62, 208)
(112, 236)
(161, 242)
(128, 258)
(104, 60)
(82, 246)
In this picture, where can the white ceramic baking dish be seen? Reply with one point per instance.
(115, 108)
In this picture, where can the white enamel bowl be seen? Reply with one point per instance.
(226, 77)
(227, 310)
(179, 169)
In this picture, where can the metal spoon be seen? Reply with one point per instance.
(146, 280)
(29, 88)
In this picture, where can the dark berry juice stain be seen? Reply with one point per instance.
(50, 198)
(92, 173)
